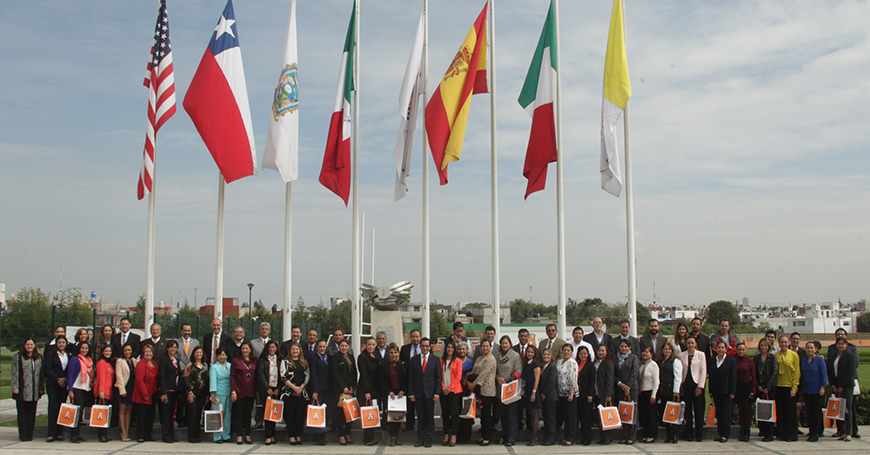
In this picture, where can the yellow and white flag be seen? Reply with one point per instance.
(617, 91)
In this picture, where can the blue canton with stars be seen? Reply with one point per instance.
(226, 35)
(161, 38)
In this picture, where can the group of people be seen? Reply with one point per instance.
(562, 383)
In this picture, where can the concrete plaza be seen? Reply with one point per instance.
(9, 444)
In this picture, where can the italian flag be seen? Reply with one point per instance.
(335, 173)
(538, 98)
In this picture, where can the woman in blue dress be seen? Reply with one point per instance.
(219, 386)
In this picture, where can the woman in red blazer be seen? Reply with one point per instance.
(145, 394)
(105, 381)
(451, 396)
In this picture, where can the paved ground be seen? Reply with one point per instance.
(10, 445)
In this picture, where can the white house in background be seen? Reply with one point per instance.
(824, 317)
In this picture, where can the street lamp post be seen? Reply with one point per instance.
(250, 302)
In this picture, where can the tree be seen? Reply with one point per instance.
(438, 326)
(722, 309)
(863, 323)
(28, 314)
(338, 318)
(300, 311)
(72, 309)
(260, 312)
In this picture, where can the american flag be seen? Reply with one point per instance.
(161, 96)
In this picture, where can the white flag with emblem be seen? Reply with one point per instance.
(282, 142)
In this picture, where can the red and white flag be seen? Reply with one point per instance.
(161, 96)
(217, 102)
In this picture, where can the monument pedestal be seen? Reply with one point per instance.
(389, 322)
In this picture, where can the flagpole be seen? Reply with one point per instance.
(288, 256)
(149, 255)
(496, 308)
(219, 268)
(560, 203)
(426, 297)
(629, 214)
(356, 322)
(629, 226)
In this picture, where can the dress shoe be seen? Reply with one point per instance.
(419, 443)
(428, 443)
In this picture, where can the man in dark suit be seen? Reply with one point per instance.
(702, 340)
(652, 339)
(424, 388)
(381, 351)
(234, 348)
(598, 335)
(624, 331)
(310, 348)
(522, 343)
(408, 352)
(125, 338)
(214, 340)
(295, 335)
(156, 342)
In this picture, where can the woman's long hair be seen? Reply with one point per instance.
(23, 353)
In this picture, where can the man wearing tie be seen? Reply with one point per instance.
(310, 348)
(424, 389)
(125, 338)
(408, 352)
(185, 347)
(212, 341)
(260, 342)
(552, 342)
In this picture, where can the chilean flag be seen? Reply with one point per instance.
(217, 102)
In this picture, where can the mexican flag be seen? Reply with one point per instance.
(538, 98)
(335, 173)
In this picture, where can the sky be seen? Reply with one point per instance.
(748, 132)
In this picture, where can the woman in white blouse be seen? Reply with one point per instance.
(268, 376)
(648, 380)
(568, 391)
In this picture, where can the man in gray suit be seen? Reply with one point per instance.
(185, 345)
(185, 348)
(260, 342)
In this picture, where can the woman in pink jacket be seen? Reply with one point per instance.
(694, 379)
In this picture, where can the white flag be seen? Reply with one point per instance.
(408, 101)
(282, 142)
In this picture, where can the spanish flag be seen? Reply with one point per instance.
(617, 91)
(447, 111)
